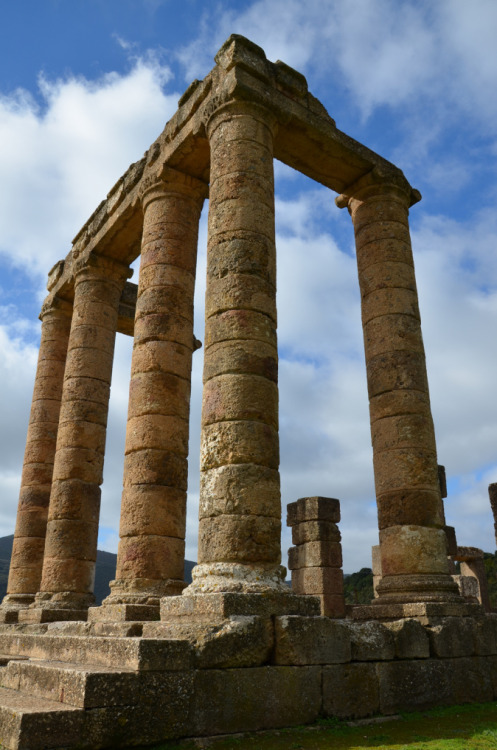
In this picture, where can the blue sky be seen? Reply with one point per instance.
(87, 85)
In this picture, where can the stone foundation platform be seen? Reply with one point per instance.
(102, 685)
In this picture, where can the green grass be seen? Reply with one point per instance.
(469, 727)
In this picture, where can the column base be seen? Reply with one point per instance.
(216, 607)
(124, 613)
(211, 578)
(12, 604)
(423, 611)
(141, 591)
(411, 588)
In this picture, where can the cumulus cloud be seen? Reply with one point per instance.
(62, 153)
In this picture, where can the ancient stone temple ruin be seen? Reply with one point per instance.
(237, 649)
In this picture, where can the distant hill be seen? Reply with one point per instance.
(105, 571)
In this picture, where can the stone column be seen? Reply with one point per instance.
(150, 561)
(410, 513)
(240, 513)
(29, 538)
(71, 541)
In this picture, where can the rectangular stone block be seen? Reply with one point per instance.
(332, 605)
(411, 639)
(453, 636)
(471, 680)
(414, 685)
(313, 509)
(124, 613)
(486, 635)
(74, 684)
(162, 713)
(371, 641)
(141, 654)
(311, 640)
(468, 587)
(215, 608)
(315, 555)
(28, 721)
(315, 531)
(317, 581)
(42, 614)
(350, 691)
(243, 700)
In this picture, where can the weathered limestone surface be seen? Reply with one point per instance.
(316, 564)
(29, 538)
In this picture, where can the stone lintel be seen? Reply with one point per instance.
(38, 615)
(467, 554)
(307, 140)
(217, 607)
(423, 611)
(124, 613)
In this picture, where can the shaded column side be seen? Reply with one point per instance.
(150, 561)
(240, 512)
(32, 512)
(410, 513)
(71, 541)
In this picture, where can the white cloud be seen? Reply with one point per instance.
(17, 368)
(60, 157)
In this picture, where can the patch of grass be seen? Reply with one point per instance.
(468, 727)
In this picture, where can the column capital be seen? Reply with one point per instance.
(154, 187)
(55, 306)
(218, 112)
(96, 266)
(379, 181)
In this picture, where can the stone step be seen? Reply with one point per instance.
(150, 654)
(32, 723)
(73, 684)
(6, 658)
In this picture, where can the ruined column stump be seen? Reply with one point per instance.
(151, 554)
(316, 559)
(36, 482)
(68, 575)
